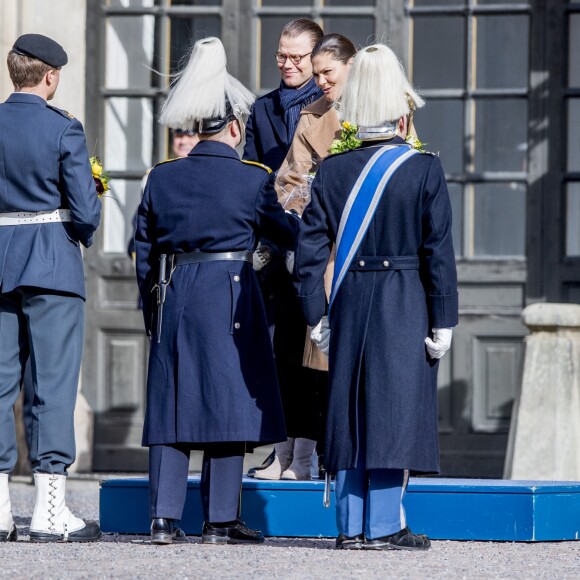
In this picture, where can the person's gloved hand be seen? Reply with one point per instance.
(261, 256)
(320, 335)
(440, 343)
(290, 261)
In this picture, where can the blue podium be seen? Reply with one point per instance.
(444, 509)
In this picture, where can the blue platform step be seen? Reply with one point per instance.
(444, 509)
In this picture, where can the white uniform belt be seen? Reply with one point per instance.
(20, 218)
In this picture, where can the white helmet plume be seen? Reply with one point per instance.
(202, 89)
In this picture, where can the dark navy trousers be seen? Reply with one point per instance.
(221, 480)
(47, 327)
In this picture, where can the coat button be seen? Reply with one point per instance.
(236, 278)
(386, 263)
(361, 263)
(237, 325)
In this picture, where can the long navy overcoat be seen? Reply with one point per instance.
(212, 376)
(381, 315)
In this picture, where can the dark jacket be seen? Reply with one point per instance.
(44, 165)
(212, 376)
(267, 139)
(380, 318)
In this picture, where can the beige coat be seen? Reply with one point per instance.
(317, 128)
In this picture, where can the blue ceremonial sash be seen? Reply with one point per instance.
(361, 206)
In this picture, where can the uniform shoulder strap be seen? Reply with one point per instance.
(261, 165)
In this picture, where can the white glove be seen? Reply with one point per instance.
(320, 335)
(261, 257)
(440, 343)
(290, 261)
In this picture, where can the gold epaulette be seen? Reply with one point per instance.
(257, 165)
(166, 161)
(62, 112)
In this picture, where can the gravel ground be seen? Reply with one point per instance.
(124, 556)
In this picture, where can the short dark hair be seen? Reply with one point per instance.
(339, 46)
(300, 26)
(26, 71)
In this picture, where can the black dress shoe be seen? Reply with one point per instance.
(90, 533)
(10, 535)
(164, 531)
(236, 533)
(350, 542)
(405, 539)
(267, 462)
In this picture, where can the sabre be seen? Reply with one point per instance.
(161, 292)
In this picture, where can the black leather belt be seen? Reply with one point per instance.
(377, 263)
(196, 257)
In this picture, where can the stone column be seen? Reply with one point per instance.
(544, 442)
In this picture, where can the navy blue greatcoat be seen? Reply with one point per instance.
(212, 376)
(380, 318)
(267, 139)
(43, 170)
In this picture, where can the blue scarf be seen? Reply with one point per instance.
(294, 100)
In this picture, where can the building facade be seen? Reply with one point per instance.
(502, 83)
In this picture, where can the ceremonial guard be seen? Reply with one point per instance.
(48, 206)
(212, 381)
(393, 302)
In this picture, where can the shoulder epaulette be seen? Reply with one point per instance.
(265, 167)
(430, 153)
(62, 112)
(167, 161)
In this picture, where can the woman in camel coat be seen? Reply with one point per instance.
(318, 127)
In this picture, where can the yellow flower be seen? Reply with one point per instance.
(96, 166)
(346, 125)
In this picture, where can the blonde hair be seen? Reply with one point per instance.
(377, 89)
(200, 90)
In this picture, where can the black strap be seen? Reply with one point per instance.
(196, 257)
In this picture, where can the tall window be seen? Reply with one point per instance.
(470, 61)
(144, 41)
(572, 93)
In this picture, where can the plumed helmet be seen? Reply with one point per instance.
(377, 91)
(204, 97)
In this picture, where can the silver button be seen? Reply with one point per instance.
(386, 263)
(361, 263)
(237, 325)
(236, 278)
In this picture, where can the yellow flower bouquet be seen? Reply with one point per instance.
(99, 175)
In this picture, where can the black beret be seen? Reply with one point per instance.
(42, 48)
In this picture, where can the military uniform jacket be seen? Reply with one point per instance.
(381, 315)
(44, 165)
(212, 376)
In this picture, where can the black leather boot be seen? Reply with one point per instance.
(231, 533)
(10, 535)
(404, 539)
(164, 531)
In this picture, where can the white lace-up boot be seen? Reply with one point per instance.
(52, 521)
(281, 462)
(8, 531)
(299, 469)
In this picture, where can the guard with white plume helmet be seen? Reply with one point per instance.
(211, 381)
(377, 94)
(205, 97)
(382, 207)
